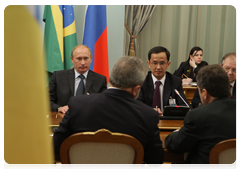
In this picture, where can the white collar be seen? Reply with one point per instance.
(114, 88)
(155, 79)
(233, 83)
(77, 74)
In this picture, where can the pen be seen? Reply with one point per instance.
(185, 75)
(156, 107)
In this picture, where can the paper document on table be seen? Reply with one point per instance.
(193, 83)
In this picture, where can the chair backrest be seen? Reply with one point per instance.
(223, 152)
(101, 147)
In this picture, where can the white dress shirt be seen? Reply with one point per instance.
(78, 79)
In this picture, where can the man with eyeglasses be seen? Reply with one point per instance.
(158, 89)
(228, 63)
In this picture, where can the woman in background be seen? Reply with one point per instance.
(188, 69)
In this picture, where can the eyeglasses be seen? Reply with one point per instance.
(155, 64)
(227, 69)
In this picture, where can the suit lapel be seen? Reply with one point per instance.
(71, 80)
(149, 87)
(90, 78)
(234, 91)
(167, 89)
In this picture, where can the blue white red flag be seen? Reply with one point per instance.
(95, 37)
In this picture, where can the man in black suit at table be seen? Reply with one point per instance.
(158, 62)
(117, 110)
(64, 83)
(206, 126)
(228, 63)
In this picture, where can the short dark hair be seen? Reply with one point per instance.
(214, 79)
(158, 49)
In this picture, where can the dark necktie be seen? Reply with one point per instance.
(230, 91)
(156, 95)
(81, 88)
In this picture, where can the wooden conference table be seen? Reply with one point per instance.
(166, 127)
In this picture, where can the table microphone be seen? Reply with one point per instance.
(181, 97)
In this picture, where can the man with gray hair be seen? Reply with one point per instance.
(117, 110)
(228, 63)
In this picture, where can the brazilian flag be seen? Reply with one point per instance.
(59, 36)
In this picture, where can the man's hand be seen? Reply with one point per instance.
(159, 111)
(63, 109)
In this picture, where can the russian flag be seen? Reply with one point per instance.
(95, 37)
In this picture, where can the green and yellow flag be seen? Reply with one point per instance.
(59, 36)
(27, 137)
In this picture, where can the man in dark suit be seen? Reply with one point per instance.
(206, 126)
(117, 110)
(158, 62)
(229, 65)
(64, 83)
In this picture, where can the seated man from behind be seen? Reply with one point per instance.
(160, 83)
(228, 63)
(64, 84)
(117, 110)
(205, 126)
